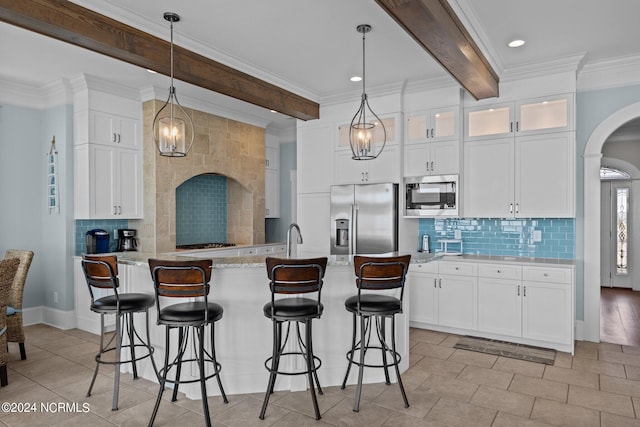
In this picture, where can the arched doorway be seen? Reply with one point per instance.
(591, 199)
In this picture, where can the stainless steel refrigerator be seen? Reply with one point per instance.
(364, 219)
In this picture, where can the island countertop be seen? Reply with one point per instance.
(258, 261)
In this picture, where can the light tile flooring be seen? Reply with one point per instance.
(598, 386)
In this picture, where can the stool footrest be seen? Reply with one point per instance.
(316, 364)
(168, 368)
(368, 365)
(149, 352)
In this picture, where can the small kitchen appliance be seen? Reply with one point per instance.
(97, 241)
(425, 243)
(127, 240)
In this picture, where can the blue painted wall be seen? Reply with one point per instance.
(201, 210)
(505, 237)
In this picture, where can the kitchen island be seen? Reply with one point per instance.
(243, 335)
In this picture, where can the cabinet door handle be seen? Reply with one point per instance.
(517, 207)
(440, 283)
(517, 126)
(115, 210)
(510, 207)
(518, 290)
(431, 133)
(366, 174)
(524, 291)
(435, 283)
(113, 137)
(510, 127)
(118, 138)
(431, 166)
(427, 166)
(499, 272)
(119, 210)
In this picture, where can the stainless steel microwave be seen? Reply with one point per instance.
(431, 195)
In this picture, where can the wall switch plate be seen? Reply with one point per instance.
(537, 235)
(457, 234)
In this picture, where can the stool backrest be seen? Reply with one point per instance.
(101, 271)
(381, 273)
(295, 276)
(181, 279)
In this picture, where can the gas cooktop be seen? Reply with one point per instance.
(205, 246)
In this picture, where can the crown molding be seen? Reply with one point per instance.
(612, 73)
(23, 94)
(83, 81)
(571, 63)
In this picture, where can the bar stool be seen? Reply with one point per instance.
(375, 275)
(294, 277)
(188, 280)
(101, 272)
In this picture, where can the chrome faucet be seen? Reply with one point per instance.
(292, 226)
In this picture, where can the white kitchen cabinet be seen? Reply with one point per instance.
(525, 303)
(314, 158)
(432, 158)
(432, 125)
(384, 168)
(526, 177)
(524, 117)
(548, 304)
(108, 182)
(314, 221)
(108, 178)
(391, 125)
(271, 177)
(111, 129)
(500, 299)
(448, 298)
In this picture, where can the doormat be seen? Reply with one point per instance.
(507, 349)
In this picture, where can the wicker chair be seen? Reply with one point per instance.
(15, 329)
(8, 269)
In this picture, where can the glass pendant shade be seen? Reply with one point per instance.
(172, 126)
(367, 134)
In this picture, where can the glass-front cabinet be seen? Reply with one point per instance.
(432, 125)
(523, 117)
(378, 135)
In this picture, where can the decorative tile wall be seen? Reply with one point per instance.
(505, 237)
(201, 210)
(108, 225)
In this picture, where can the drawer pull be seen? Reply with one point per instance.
(518, 290)
(499, 272)
(546, 274)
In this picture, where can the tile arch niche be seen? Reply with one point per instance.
(222, 146)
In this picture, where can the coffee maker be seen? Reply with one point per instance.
(127, 240)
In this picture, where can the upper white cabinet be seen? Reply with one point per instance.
(108, 178)
(392, 127)
(384, 168)
(524, 117)
(271, 177)
(110, 129)
(432, 125)
(432, 142)
(529, 177)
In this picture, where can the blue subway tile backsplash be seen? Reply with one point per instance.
(108, 225)
(505, 237)
(201, 210)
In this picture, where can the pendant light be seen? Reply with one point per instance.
(367, 134)
(169, 127)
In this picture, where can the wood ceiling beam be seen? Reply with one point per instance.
(71, 23)
(435, 26)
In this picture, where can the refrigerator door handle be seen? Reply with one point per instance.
(354, 229)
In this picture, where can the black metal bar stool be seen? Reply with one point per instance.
(101, 272)
(373, 275)
(189, 280)
(294, 277)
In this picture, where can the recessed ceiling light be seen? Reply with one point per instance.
(355, 78)
(515, 43)
(152, 71)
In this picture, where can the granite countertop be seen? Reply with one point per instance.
(142, 258)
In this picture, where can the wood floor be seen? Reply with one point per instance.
(620, 316)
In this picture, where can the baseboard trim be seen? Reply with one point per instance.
(49, 316)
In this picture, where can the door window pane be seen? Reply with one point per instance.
(622, 231)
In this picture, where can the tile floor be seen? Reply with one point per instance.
(598, 386)
(620, 316)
